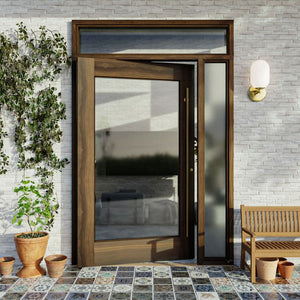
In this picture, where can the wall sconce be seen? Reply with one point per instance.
(259, 79)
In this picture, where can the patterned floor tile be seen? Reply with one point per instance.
(102, 288)
(195, 274)
(162, 281)
(142, 296)
(219, 281)
(120, 296)
(265, 288)
(65, 280)
(90, 269)
(183, 288)
(126, 274)
(203, 288)
(290, 296)
(143, 280)
(180, 274)
(287, 288)
(162, 274)
(12, 296)
(18, 288)
(214, 269)
(81, 280)
(123, 280)
(229, 296)
(250, 296)
(143, 274)
(207, 296)
(35, 296)
(182, 281)
(40, 288)
(143, 269)
(87, 274)
(161, 288)
(101, 280)
(4, 287)
(61, 287)
(243, 286)
(6, 280)
(56, 296)
(108, 269)
(164, 296)
(237, 274)
(73, 296)
(81, 288)
(126, 269)
(178, 269)
(224, 288)
(162, 269)
(107, 274)
(201, 280)
(185, 296)
(271, 296)
(216, 274)
(122, 288)
(142, 288)
(102, 296)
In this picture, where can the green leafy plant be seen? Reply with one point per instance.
(30, 62)
(36, 208)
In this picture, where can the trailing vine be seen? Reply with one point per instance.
(29, 64)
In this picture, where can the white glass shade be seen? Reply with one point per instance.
(260, 74)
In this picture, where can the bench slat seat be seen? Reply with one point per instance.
(269, 221)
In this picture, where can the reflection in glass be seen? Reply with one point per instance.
(153, 40)
(215, 167)
(137, 158)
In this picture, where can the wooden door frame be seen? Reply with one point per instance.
(201, 59)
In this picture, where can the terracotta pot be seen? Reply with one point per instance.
(286, 269)
(56, 265)
(266, 268)
(281, 260)
(6, 265)
(31, 252)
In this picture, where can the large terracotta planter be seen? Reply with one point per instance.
(266, 268)
(6, 265)
(56, 265)
(31, 252)
(286, 269)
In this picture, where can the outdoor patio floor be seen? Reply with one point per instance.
(143, 282)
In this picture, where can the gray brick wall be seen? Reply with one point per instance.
(266, 134)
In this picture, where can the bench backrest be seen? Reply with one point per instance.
(284, 220)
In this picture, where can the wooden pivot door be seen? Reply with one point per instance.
(135, 127)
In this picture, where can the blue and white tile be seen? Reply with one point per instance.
(87, 274)
(143, 269)
(81, 288)
(161, 274)
(287, 288)
(143, 280)
(162, 269)
(102, 288)
(106, 274)
(207, 295)
(182, 281)
(196, 274)
(122, 288)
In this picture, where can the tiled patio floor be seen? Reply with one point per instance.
(145, 282)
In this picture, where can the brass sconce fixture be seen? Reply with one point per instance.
(259, 79)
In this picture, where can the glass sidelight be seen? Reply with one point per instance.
(137, 158)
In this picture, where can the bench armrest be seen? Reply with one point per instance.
(252, 234)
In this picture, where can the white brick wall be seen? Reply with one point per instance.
(267, 134)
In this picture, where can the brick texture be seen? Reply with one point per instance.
(266, 134)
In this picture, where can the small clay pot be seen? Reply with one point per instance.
(281, 260)
(286, 269)
(56, 265)
(6, 265)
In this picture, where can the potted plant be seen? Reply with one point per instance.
(38, 210)
(30, 63)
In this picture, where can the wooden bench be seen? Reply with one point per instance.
(273, 222)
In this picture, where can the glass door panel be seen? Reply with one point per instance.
(137, 158)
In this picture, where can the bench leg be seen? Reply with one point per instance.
(253, 268)
(242, 258)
